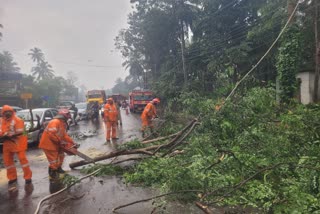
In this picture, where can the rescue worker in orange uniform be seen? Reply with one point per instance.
(149, 113)
(14, 142)
(110, 119)
(53, 139)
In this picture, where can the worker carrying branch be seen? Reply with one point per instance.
(14, 142)
(148, 114)
(55, 142)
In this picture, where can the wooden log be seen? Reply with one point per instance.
(111, 155)
(204, 208)
(144, 151)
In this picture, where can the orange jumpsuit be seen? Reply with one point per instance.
(147, 115)
(53, 138)
(17, 145)
(111, 119)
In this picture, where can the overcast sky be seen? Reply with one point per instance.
(75, 35)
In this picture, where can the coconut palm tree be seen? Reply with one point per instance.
(36, 55)
(42, 71)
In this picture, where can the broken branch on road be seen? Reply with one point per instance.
(64, 189)
(149, 151)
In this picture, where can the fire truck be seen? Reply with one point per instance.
(138, 99)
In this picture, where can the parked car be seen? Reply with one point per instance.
(15, 108)
(45, 115)
(82, 111)
(65, 104)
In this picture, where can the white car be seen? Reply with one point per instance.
(44, 114)
(82, 111)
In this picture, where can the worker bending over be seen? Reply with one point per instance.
(148, 114)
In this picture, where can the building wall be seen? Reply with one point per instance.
(306, 87)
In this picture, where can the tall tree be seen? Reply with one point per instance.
(72, 77)
(36, 55)
(7, 63)
(42, 71)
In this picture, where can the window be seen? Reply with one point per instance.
(25, 115)
(143, 97)
(95, 96)
(47, 114)
(54, 112)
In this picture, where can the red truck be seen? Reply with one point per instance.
(138, 99)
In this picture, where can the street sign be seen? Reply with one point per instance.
(26, 96)
(45, 98)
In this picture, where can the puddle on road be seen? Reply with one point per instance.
(101, 195)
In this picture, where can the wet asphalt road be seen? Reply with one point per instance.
(94, 195)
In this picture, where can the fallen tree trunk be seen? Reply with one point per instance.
(111, 155)
(145, 151)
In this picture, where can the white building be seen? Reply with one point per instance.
(306, 89)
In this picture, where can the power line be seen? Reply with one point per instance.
(73, 63)
(264, 56)
(86, 65)
(223, 42)
(239, 29)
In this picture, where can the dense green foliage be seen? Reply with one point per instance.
(288, 63)
(251, 153)
(219, 40)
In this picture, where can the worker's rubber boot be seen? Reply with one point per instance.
(55, 179)
(13, 186)
(60, 170)
(53, 175)
(28, 187)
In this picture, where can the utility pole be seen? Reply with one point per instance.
(183, 45)
(317, 53)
